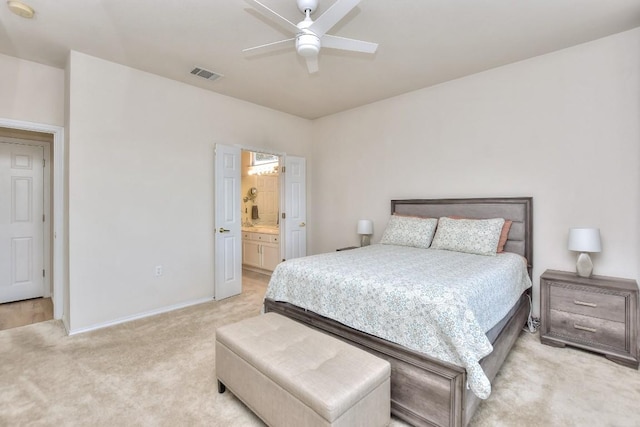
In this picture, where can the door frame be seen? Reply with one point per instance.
(58, 221)
(281, 190)
(46, 205)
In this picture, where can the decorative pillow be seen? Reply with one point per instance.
(409, 231)
(504, 234)
(474, 236)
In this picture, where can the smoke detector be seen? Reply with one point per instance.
(21, 9)
(205, 74)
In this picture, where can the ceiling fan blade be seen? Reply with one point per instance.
(312, 64)
(332, 15)
(335, 42)
(274, 16)
(270, 46)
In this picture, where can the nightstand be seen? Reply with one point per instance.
(346, 248)
(598, 313)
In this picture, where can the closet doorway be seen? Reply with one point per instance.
(25, 227)
(55, 261)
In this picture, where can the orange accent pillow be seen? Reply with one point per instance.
(504, 234)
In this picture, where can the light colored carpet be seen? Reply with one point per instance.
(160, 371)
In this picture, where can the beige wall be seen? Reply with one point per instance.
(31, 92)
(563, 128)
(141, 152)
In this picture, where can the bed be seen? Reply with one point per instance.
(426, 390)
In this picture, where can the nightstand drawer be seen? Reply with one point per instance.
(587, 329)
(588, 302)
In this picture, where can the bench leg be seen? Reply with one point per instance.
(221, 387)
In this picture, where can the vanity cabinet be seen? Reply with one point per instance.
(270, 256)
(260, 250)
(251, 253)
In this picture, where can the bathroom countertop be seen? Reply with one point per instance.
(262, 229)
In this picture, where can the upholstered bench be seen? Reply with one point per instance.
(291, 375)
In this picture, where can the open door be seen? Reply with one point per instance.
(295, 208)
(228, 237)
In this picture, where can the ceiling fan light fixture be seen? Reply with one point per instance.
(308, 45)
(21, 9)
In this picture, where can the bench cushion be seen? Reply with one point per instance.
(324, 373)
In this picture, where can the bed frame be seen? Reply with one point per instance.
(426, 391)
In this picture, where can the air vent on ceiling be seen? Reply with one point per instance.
(205, 74)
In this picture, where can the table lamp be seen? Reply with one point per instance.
(584, 240)
(365, 229)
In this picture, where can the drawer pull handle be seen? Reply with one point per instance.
(584, 328)
(586, 304)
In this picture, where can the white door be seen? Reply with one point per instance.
(295, 202)
(228, 237)
(21, 222)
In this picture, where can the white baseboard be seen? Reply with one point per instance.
(138, 316)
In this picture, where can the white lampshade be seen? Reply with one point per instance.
(365, 226)
(584, 240)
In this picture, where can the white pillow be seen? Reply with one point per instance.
(409, 231)
(474, 236)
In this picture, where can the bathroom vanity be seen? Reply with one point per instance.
(260, 248)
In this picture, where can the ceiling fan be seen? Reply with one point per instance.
(311, 35)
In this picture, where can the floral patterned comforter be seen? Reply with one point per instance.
(437, 302)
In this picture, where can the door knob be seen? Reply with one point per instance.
(224, 230)
(302, 224)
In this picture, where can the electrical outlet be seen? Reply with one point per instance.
(158, 270)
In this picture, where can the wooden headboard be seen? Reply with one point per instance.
(517, 209)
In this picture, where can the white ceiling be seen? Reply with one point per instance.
(421, 42)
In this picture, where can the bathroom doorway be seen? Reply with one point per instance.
(257, 245)
(260, 211)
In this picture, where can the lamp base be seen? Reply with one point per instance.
(584, 266)
(364, 240)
